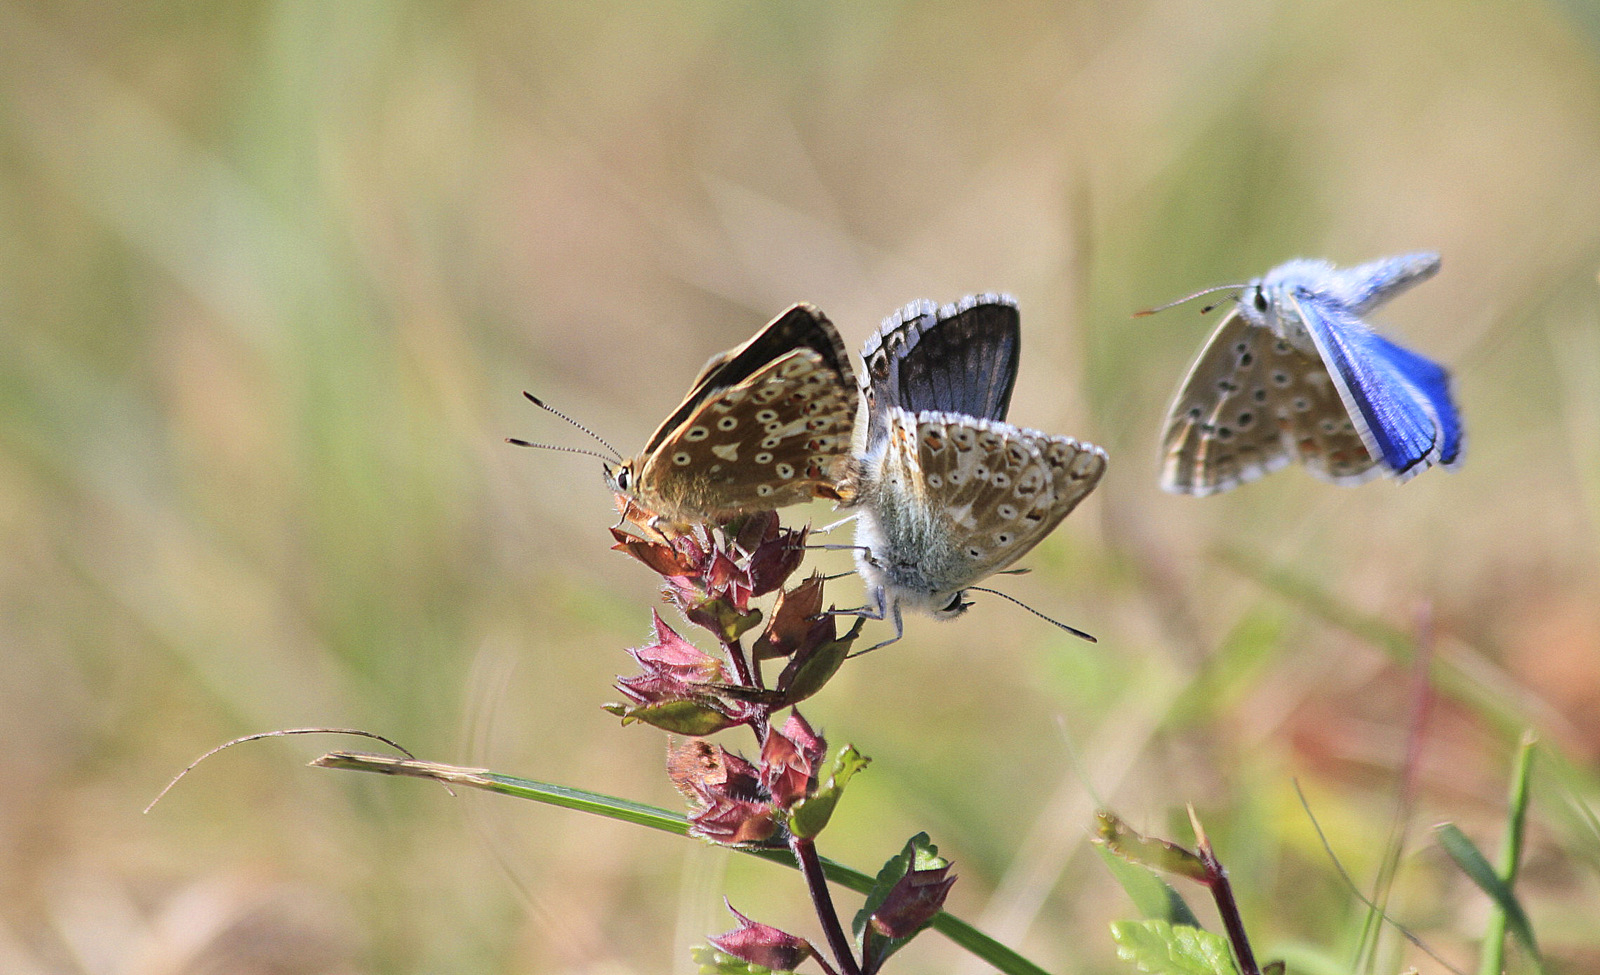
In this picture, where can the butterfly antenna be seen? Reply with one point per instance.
(541, 404)
(564, 450)
(1188, 297)
(1053, 622)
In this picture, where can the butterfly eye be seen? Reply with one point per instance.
(954, 606)
(1260, 300)
(622, 478)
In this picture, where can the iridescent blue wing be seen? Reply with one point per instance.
(1397, 421)
(1432, 381)
(959, 359)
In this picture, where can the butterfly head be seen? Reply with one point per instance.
(1259, 304)
(1274, 300)
(895, 596)
(619, 477)
(957, 604)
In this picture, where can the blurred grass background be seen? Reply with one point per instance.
(273, 274)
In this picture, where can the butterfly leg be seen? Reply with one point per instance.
(876, 610)
(840, 523)
(880, 610)
(838, 548)
(899, 631)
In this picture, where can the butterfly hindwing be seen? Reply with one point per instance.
(1364, 287)
(963, 497)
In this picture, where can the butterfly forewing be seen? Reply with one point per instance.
(767, 424)
(1395, 421)
(772, 440)
(1432, 384)
(960, 358)
(802, 326)
(1251, 403)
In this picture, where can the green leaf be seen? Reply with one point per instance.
(1159, 948)
(1116, 836)
(600, 804)
(1472, 863)
(690, 718)
(806, 674)
(1154, 897)
(992, 952)
(811, 814)
(732, 623)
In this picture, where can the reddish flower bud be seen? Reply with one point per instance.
(728, 804)
(733, 822)
(675, 559)
(789, 760)
(728, 579)
(764, 945)
(677, 688)
(913, 901)
(796, 622)
(671, 669)
(673, 656)
(775, 560)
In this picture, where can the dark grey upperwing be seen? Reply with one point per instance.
(960, 358)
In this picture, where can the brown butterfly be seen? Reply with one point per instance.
(764, 425)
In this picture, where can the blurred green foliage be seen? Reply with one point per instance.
(272, 276)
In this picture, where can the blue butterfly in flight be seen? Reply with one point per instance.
(1293, 373)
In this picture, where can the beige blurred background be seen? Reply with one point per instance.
(272, 279)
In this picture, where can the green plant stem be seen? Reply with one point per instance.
(1008, 962)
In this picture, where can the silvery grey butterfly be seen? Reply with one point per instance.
(946, 492)
(764, 425)
(1292, 373)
